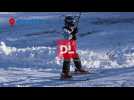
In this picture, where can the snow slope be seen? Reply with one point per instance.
(28, 50)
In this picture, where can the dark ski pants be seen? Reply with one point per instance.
(66, 64)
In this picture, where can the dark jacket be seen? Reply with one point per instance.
(73, 33)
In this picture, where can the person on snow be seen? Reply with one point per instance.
(70, 31)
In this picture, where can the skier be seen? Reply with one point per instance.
(70, 30)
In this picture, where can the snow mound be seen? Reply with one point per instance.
(117, 58)
(29, 56)
(40, 56)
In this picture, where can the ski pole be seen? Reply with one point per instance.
(78, 19)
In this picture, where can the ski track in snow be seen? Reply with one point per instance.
(35, 77)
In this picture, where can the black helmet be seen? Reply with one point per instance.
(69, 21)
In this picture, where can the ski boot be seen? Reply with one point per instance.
(66, 70)
(81, 71)
(65, 76)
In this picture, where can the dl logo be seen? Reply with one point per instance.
(66, 49)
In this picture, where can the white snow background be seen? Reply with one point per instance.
(28, 49)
